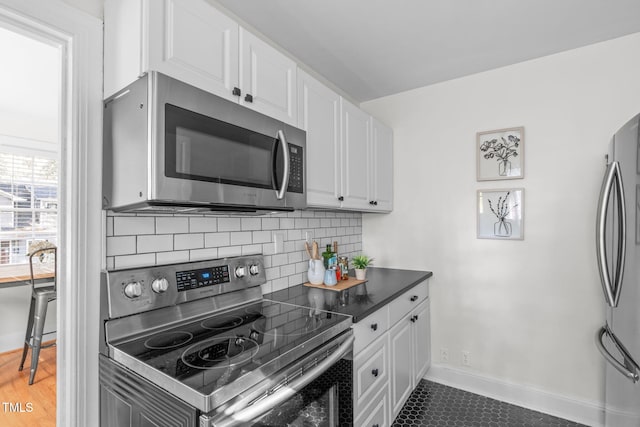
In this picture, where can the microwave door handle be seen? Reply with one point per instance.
(287, 165)
(629, 368)
(601, 233)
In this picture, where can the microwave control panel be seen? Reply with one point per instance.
(296, 175)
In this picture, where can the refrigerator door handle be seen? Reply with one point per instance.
(629, 368)
(611, 286)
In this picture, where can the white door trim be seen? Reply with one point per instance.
(81, 229)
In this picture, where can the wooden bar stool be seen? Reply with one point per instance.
(42, 258)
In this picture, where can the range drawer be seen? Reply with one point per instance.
(370, 328)
(370, 373)
(406, 302)
(377, 413)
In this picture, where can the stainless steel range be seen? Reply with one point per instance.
(195, 344)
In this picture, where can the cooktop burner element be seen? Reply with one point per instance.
(220, 352)
(164, 341)
(223, 323)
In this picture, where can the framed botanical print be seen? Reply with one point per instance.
(500, 154)
(501, 214)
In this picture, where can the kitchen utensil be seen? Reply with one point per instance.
(315, 251)
(308, 249)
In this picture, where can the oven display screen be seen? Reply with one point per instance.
(195, 279)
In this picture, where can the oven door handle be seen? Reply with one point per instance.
(234, 416)
(287, 166)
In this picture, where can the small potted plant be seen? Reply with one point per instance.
(360, 263)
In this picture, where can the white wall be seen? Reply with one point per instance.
(92, 7)
(527, 311)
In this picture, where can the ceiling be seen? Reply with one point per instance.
(374, 48)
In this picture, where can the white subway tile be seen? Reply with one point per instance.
(266, 288)
(123, 245)
(278, 259)
(172, 257)
(314, 223)
(250, 224)
(241, 238)
(268, 249)
(251, 249)
(200, 254)
(294, 257)
(128, 261)
(228, 224)
(335, 222)
(188, 241)
(289, 246)
(109, 226)
(262, 236)
(287, 223)
(325, 222)
(110, 264)
(229, 251)
(270, 223)
(172, 225)
(302, 267)
(287, 270)
(296, 279)
(216, 239)
(272, 273)
(294, 234)
(302, 223)
(331, 214)
(320, 214)
(294, 214)
(279, 284)
(203, 224)
(267, 261)
(133, 225)
(156, 243)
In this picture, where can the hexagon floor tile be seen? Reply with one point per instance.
(432, 404)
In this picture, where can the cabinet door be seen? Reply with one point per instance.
(268, 79)
(381, 166)
(401, 347)
(319, 115)
(355, 156)
(370, 374)
(192, 41)
(422, 341)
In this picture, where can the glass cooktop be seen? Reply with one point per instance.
(239, 346)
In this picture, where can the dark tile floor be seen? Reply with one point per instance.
(433, 404)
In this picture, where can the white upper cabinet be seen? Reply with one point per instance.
(194, 42)
(355, 157)
(268, 79)
(381, 167)
(319, 115)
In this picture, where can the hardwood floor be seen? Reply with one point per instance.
(22, 404)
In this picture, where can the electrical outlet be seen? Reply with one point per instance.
(466, 360)
(444, 355)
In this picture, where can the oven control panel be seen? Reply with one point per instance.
(138, 290)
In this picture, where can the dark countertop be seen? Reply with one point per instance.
(383, 285)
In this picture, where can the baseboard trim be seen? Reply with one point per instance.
(580, 411)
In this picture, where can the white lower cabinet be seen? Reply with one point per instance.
(392, 352)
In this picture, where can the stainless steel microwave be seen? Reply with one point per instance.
(171, 147)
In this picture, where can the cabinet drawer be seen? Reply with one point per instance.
(370, 373)
(370, 328)
(406, 302)
(376, 414)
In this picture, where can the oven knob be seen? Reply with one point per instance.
(241, 271)
(254, 335)
(254, 269)
(133, 290)
(160, 285)
(240, 341)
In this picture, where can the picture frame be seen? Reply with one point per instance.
(500, 154)
(501, 214)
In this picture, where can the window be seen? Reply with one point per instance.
(28, 204)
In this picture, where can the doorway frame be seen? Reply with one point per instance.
(81, 224)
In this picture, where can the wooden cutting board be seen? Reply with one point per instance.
(340, 286)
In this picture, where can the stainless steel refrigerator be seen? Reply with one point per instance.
(618, 250)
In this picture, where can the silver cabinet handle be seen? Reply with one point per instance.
(235, 416)
(629, 368)
(611, 286)
(287, 165)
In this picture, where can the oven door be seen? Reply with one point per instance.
(315, 391)
(211, 150)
